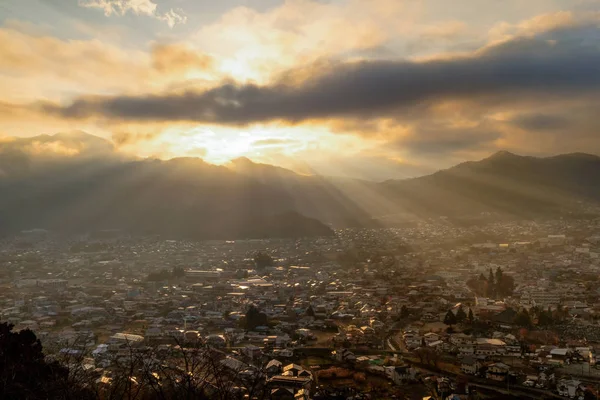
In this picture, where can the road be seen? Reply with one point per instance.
(390, 345)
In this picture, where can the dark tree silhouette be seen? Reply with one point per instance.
(310, 312)
(159, 276)
(255, 318)
(506, 285)
(404, 313)
(263, 260)
(523, 318)
(178, 272)
(450, 318)
(25, 373)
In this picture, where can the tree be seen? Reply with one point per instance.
(461, 316)
(310, 312)
(498, 275)
(506, 285)
(470, 316)
(255, 318)
(523, 319)
(178, 272)
(159, 276)
(545, 318)
(193, 372)
(404, 313)
(263, 260)
(491, 288)
(450, 318)
(25, 373)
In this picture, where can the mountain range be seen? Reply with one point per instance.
(77, 182)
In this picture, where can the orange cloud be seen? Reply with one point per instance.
(176, 58)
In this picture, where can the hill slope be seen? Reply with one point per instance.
(183, 197)
(504, 183)
(78, 182)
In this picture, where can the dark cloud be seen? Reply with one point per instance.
(542, 122)
(550, 64)
(124, 138)
(431, 140)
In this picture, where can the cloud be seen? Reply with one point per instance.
(552, 64)
(273, 142)
(121, 7)
(558, 127)
(256, 44)
(60, 145)
(173, 17)
(174, 58)
(34, 66)
(137, 7)
(442, 140)
(123, 138)
(542, 122)
(538, 24)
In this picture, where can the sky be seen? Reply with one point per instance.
(372, 89)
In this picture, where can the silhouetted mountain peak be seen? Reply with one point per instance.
(244, 165)
(503, 155)
(242, 161)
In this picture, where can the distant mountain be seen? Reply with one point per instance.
(506, 184)
(79, 191)
(77, 182)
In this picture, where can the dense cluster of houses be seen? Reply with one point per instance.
(359, 292)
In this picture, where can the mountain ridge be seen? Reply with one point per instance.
(94, 188)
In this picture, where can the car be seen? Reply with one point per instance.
(529, 383)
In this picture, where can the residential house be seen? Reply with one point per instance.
(470, 365)
(295, 378)
(412, 340)
(459, 339)
(274, 367)
(217, 341)
(431, 337)
(497, 372)
(343, 355)
(251, 351)
(490, 347)
(438, 345)
(400, 374)
(282, 393)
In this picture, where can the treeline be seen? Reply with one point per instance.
(538, 316)
(495, 286)
(460, 317)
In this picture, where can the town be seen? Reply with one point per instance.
(428, 310)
